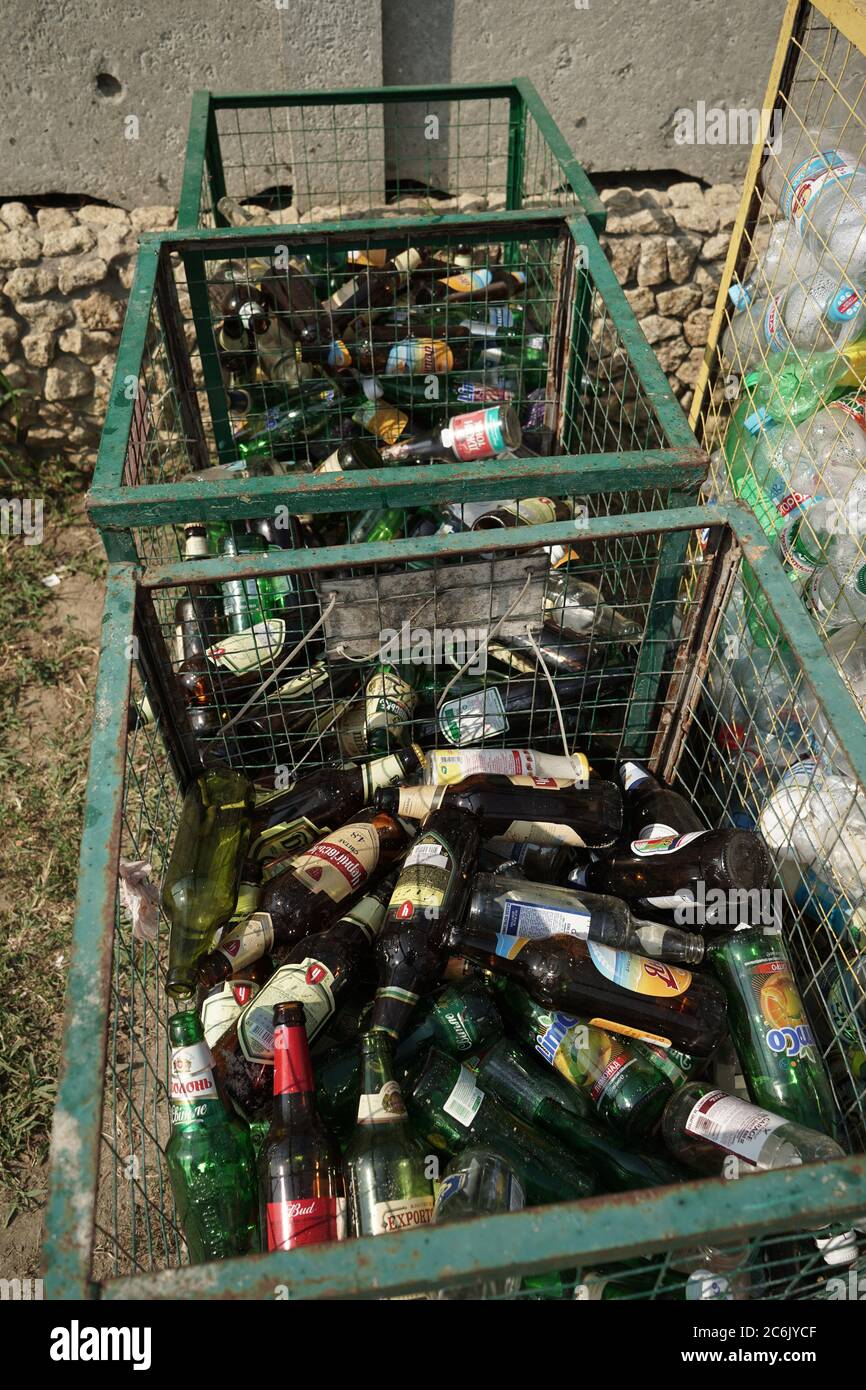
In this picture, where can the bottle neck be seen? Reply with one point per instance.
(294, 1087)
(380, 1102)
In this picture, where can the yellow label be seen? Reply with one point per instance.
(340, 864)
(385, 421)
(611, 1027)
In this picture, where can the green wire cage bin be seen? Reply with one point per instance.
(722, 685)
(262, 157)
(217, 406)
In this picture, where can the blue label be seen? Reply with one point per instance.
(502, 317)
(845, 305)
(758, 417)
(741, 295)
(816, 166)
(549, 1042)
(449, 1187)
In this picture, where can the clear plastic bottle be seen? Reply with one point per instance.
(837, 592)
(847, 647)
(819, 819)
(820, 187)
(820, 312)
(479, 1182)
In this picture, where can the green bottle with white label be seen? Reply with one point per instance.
(450, 1110)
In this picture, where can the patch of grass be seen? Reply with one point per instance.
(46, 679)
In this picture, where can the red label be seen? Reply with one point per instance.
(293, 1070)
(242, 993)
(601, 1084)
(340, 858)
(406, 910)
(305, 1221)
(231, 948)
(471, 439)
(316, 973)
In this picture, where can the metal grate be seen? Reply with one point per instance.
(697, 628)
(780, 405)
(376, 152)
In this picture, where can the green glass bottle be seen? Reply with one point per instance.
(679, 1067)
(210, 1154)
(479, 1182)
(310, 407)
(247, 601)
(203, 877)
(781, 1062)
(537, 1095)
(388, 1184)
(628, 1093)
(451, 1110)
(460, 1020)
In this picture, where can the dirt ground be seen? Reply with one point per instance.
(47, 672)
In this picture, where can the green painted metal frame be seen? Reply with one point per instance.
(608, 1228)
(116, 508)
(203, 157)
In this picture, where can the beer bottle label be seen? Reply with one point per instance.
(351, 730)
(542, 832)
(286, 838)
(305, 1221)
(384, 772)
(631, 775)
(382, 1107)
(468, 280)
(639, 974)
(306, 982)
(342, 863)
(779, 1008)
(533, 920)
(401, 1214)
(248, 941)
(373, 255)
(423, 355)
(472, 718)
(448, 766)
(385, 421)
(389, 701)
(192, 1089)
(657, 830)
(424, 879)
(668, 842)
(244, 651)
(733, 1125)
(465, 1099)
(220, 1009)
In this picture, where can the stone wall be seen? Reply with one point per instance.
(65, 275)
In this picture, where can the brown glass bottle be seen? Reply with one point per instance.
(661, 871)
(585, 816)
(302, 1190)
(315, 804)
(651, 807)
(370, 286)
(610, 988)
(317, 886)
(430, 894)
(316, 972)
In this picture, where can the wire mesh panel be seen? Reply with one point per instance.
(781, 405)
(378, 152)
(333, 355)
(643, 633)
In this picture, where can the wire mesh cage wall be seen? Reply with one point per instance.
(518, 313)
(388, 151)
(650, 641)
(780, 405)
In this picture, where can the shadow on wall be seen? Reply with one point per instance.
(421, 150)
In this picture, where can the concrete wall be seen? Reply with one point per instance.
(613, 73)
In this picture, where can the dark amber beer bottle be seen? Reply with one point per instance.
(612, 989)
(588, 815)
(429, 895)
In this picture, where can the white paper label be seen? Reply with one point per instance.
(465, 1100)
(309, 983)
(472, 717)
(630, 774)
(537, 920)
(243, 651)
(403, 1214)
(733, 1125)
(381, 1107)
(446, 766)
(427, 853)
